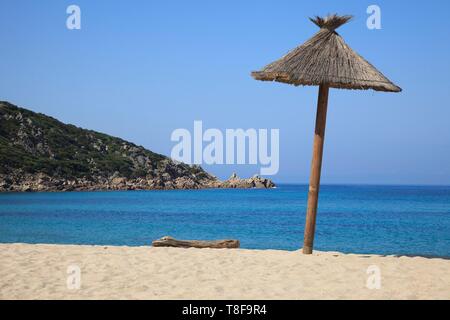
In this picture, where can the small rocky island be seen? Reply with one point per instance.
(40, 153)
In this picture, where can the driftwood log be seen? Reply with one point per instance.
(216, 244)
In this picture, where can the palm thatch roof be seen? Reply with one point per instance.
(326, 59)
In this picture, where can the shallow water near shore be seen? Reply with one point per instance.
(404, 220)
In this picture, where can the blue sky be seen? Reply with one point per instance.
(140, 69)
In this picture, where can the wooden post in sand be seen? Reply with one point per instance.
(316, 165)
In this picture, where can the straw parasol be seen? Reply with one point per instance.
(326, 61)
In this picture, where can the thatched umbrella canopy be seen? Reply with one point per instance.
(326, 61)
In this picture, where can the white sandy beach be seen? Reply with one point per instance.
(40, 272)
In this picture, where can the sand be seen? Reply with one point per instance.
(40, 272)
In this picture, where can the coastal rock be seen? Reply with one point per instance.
(39, 183)
(255, 182)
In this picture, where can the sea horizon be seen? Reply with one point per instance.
(277, 185)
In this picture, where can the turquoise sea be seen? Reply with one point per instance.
(408, 220)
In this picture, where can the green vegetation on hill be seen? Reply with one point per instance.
(35, 143)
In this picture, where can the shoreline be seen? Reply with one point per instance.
(133, 190)
(40, 271)
(381, 255)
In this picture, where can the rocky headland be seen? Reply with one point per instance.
(40, 153)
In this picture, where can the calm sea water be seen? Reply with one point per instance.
(358, 219)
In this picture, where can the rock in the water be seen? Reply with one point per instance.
(254, 182)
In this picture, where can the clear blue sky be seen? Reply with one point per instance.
(140, 69)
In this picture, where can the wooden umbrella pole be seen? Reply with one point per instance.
(316, 165)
